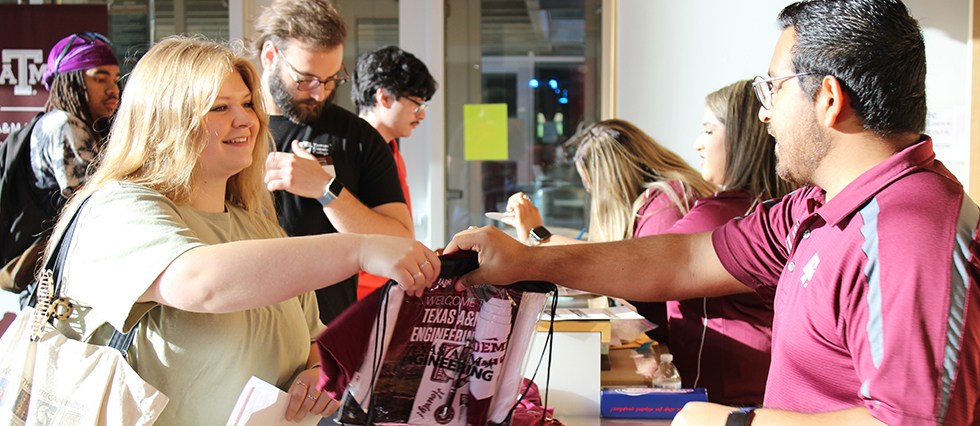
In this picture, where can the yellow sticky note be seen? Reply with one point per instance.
(485, 132)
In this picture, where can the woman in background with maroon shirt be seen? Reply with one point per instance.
(635, 184)
(638, 188)
(723, 343)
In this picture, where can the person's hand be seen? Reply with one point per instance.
(501, 257)
(298, 173)
(524, 215)
(699, 413)
(305, 398)
(406, 261)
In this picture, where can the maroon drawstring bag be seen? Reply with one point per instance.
(447, 357)
(530, 410)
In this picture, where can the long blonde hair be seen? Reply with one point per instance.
(619, 162)
(750, 160)
(159, 130)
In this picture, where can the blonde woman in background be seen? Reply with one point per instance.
(638, 188)
(179, 234)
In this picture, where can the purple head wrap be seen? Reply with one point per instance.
(79, 51)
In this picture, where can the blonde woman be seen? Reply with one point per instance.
(179, 234)
(638, 187)
(723, 343)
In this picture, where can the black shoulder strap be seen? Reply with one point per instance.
(56, 263)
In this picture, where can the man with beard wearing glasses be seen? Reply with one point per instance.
(333, 171)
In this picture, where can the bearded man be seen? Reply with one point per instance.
(333, 172)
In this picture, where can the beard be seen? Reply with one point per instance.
(301, 112)
(798, 160)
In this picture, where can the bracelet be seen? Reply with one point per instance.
(740, 417)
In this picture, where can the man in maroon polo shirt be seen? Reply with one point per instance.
(873, 265)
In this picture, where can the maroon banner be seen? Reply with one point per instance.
(27, 33)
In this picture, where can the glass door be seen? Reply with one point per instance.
(540, 58)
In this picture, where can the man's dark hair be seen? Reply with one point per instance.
(391, 69)
(68, 93)
(875, 50)
(314, 23)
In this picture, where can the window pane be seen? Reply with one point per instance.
(373, 33)
(533, 57)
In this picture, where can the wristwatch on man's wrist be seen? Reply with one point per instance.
(740, 417)
(334, 188)
(538, 235)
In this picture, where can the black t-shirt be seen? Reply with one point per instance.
(364, 164)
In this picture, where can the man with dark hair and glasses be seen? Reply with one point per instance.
(873, 265)
(390, 90)
(333, 172)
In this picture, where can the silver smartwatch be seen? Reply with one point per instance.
(740, 417)
(538, 235)
(334, 188)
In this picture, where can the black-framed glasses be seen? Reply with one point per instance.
(308, 83)
(420, 106)
(764, 87)
(87, 37)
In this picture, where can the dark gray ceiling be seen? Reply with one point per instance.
(545, 27)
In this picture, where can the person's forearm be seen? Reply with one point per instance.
(662, 267)
(249, 274)
(227, 277)
(349, 215)
(559, 240)
(710, 414)
(857, 416)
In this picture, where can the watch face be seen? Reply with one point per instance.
(335, 187)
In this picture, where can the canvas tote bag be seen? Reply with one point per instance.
(49, 379)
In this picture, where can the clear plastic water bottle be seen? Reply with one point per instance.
(666, 375)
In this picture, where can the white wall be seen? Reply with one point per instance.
(420, 31)
(946, 28)
(673, 53)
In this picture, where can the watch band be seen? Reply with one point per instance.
(332, 192)
(740, 417)
(538, 235)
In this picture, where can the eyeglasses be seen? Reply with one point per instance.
(764, 88)
(308, 83)
(87, 37)
(421, 106)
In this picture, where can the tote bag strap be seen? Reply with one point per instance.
(56, 262)
(55, 267)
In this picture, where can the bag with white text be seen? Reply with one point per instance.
(445, 358)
